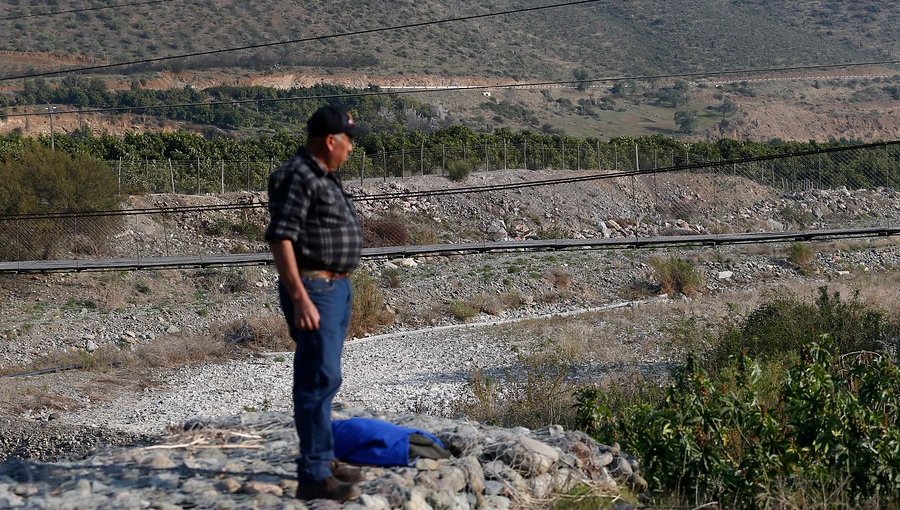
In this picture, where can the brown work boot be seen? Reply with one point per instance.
(345, 472)
(329, 488)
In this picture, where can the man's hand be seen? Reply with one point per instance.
(306, 315)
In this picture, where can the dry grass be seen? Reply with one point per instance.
(369, 314)
(387, 230)
(559, 278)
(491, 304)
(676, 276)
(538, 394)
(259, 333)
(801, 256)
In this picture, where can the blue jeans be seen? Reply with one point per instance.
(317, 372)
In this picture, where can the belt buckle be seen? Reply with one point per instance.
(318, 275)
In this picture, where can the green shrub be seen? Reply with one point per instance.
(786, 325)
(39, 180)
(799, 424)
(831, 425)
(458, 170)
(461, 310)
(676, 276)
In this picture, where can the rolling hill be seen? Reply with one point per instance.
(604, 38)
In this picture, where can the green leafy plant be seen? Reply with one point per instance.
(812, 419)
(461, 309)
(458, 170)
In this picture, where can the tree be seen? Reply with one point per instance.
(581, 75)
(687, 122)
(674, 96)
(728, 107)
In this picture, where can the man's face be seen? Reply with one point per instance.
(339, 148)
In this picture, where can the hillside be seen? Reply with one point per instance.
(606, 37)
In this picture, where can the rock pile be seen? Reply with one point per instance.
(246, 461)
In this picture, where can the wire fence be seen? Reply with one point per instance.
(208, 176)
(849, 188)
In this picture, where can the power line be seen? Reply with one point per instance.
(303, 39)
(609, 79)
(86, 9)
(456, 191)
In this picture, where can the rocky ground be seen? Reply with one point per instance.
(247, 462)
(598, 309)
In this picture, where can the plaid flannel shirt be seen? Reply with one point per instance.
(308, 205)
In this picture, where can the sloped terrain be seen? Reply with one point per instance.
(605, 37)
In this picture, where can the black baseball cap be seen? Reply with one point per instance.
(331, 120)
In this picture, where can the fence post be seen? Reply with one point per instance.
(637, 163)
(362, 168)
(172, 175)
(578, 157)
(486, 155)
(402, 163)
(222, 177)
(504, 153)
(563, 144)
(198, 175)
(634, 211)
(422, 158)
(616, 154)
(120, 175)
(525, 153)
(443, 159)
(384, 162)
(599, 162)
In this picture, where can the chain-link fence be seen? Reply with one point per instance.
(832, 189)
(204, 176)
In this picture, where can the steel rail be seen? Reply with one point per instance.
(245, 259)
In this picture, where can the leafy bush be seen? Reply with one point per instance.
(676, 276)
(462, 310)
(799, 424)
(39, 180)
(786, 325)
(458, 170)
(832, 426)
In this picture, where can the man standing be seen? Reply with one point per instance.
(315, 239)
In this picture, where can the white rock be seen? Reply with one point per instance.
(725, 275)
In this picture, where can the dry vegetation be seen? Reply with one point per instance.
(609, 37)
